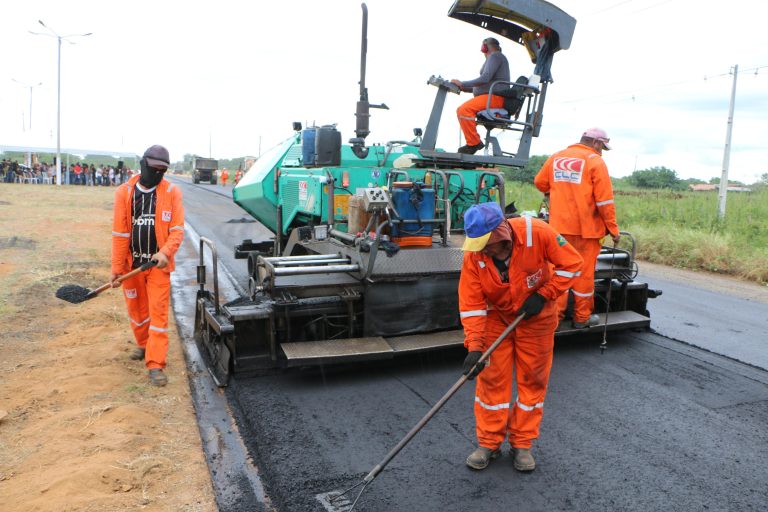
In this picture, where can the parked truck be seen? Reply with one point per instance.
(204, 169)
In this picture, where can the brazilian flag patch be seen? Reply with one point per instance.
(561, 241)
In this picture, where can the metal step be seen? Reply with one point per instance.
(347, 350)
(365, 349)
(617, 320)
(420, 342)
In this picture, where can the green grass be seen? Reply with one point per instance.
(682, 229)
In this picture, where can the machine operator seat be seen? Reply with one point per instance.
(503, 118)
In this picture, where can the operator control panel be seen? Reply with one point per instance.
(441, 82)
(375, 199)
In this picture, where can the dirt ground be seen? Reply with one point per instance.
(80, 426)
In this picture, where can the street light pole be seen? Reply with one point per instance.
(58, 90)
(30, 98)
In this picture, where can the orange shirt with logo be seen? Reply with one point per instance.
(580, 193)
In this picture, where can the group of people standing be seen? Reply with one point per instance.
(77, 174)
(96, 175)
(224, 177)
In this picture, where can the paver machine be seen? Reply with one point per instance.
(366, 254)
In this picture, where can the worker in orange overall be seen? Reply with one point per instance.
(148, 225)
(494, 68)
(238, 176)
(224, 177)
(511, 266)
(581, 208)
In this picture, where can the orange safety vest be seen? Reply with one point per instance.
(542, 261)
(580, 193)
(169, 224)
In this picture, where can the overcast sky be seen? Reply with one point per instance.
(231, 76)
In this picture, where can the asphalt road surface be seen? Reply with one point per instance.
(652, 424)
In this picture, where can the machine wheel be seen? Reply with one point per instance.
(214, 348)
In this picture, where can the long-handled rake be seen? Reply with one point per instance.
(415, 430)
(76, 294)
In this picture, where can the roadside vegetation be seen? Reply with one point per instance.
(678, 227)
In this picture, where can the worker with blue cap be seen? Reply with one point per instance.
(511, 267)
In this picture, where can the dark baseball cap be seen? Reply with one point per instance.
(157, 156)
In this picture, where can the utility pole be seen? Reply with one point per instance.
(58, 91)
(727, 152)
(30, 87)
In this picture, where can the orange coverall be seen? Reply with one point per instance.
(224, 177)
(581, 208)
(467, 114)
(543, 262)
(147, 294)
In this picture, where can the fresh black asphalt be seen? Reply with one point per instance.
(652, 424)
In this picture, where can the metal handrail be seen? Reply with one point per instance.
(500, 184)
(205, 241)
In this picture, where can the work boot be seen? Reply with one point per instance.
(481, 457)
(138, 354)
(471, 150)
(593, 320)
(523, 459)
(157, 377)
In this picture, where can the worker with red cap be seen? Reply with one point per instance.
(511, 267)
(495, 68)
(148, 225)
(581, 208)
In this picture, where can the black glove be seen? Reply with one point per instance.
(532, 305)
(470, 361)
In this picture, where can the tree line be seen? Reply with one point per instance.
(652, 178)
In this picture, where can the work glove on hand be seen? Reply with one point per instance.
(470, 361)
(532, 305)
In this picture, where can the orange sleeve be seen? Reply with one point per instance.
(121, 233)
(176, 227)
(603, 196)
(542, 178)
(566, 260)
(473, 308)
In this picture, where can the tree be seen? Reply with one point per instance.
(656, 177)
(527, 173)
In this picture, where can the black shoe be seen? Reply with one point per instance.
(138, 354)
(471, 150)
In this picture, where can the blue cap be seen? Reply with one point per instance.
(479, 222)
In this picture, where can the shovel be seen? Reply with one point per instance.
(76, 294)
(333, 498)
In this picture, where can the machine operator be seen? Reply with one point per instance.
(494, 68)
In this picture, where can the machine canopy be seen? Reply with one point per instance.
(538, 25)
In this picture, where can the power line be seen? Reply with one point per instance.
(611, 7)
(651, 6)
(655, 89)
